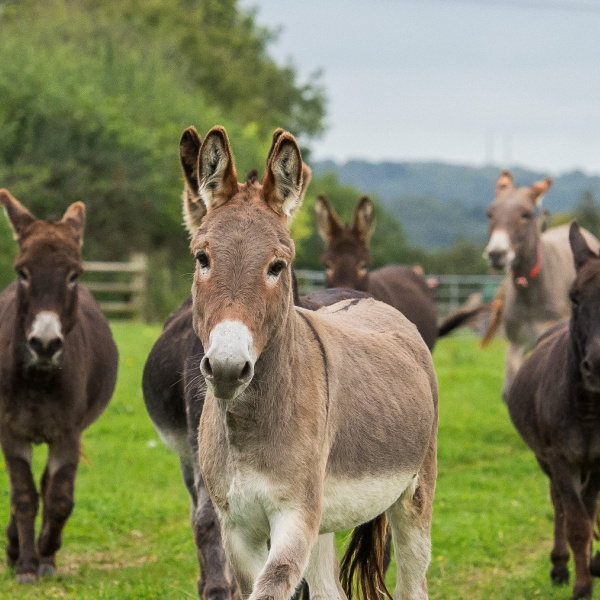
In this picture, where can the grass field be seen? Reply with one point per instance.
(129, 535)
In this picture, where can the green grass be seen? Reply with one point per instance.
(129, 535)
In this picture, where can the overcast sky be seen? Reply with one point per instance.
(455, 80)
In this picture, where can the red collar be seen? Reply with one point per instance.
(523, 281)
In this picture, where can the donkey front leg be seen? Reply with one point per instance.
(323, 573)
(515, 354)
(58, 489)
(24, 501)
(560, 551)
(292, 540)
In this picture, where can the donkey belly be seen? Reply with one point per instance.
(350, 502)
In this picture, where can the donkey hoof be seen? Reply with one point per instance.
(26, 578)
(46, 570)
(559, 575)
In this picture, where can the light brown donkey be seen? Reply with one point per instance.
(313, 421)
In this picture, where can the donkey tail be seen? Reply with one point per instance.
(362, 564)
(496, 318)
(461, 317)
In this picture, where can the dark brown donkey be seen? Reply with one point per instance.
(347, 259)
(174, 391)
(313, 421)
(554, 402)
(58, 372)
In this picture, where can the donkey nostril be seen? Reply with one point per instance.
(246, 372)
(205, 368)
(54, 346)
(36, 344)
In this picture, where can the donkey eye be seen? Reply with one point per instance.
(23, 275)
(574, 297)
(203, 260)
(73, 277)
(276, 268)
(526, 216)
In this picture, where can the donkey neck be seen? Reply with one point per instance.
(526, 269)
(266, 403)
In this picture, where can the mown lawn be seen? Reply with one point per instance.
(129, 535)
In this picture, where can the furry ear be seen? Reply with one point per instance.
(504, 182)
(581, 251)
(276, 135)
(18, 216)
(189, 153)
(538, 190)
(364, 220)
(217, 179)
(75, 218)
(286, 177)
(328, 224)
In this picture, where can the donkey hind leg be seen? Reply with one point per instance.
(322, 573)
(58, 490)
(410, 521)
(215, 582)
(591, 489)
(560, 551)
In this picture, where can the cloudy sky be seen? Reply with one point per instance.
(502, 81)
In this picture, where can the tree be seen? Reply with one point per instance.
(587, 212)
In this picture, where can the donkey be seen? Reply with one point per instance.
(174, 391)
(554, 402)
(57, 375)
(534, 294)
(347, 258)
(313, 421)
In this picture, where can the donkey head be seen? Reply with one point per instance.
(585, 316)
(48, 266)
(512, 224)
(242, 287)
(346, 255)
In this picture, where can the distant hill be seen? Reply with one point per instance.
(440, 202)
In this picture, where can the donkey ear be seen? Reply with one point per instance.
(539, 189)
(75, 218)
(504, 182)
(217, 181)
(276, 135)
(581, 251)
(328, 224)
(18, 216)
(189, 152)
(286, 177)
(364, 220)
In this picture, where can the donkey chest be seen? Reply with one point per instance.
(35, 416)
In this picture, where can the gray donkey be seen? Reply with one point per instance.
(539, 267)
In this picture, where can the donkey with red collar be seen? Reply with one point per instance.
(539, 267)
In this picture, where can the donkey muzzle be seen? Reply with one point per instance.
(228, 365)
(45, 339)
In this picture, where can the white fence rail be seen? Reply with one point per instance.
(119, 287)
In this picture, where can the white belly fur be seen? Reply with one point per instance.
(254, 498)
(350, 502)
